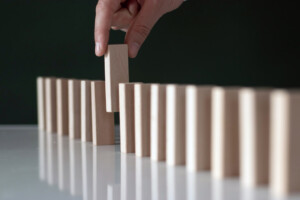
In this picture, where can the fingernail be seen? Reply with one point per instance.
(134, 48)
(98, 48)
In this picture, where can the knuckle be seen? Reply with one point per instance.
(142, 30)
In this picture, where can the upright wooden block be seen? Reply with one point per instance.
(142, 119)
(86, 111)
(62, 106)
(254, 108)
(51, 120)
(198, 127)
(175, 115)
(102, 122)
(74, 109)
(158, 122)
(40, 81)
(127, 133)
(285, 142)
(225, 132)
(116, 71)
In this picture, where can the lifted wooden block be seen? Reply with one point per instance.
(102, 122)
(116, 71)
(41, 99)
(74, 109)
(51, 121)
(62, 106)
(86, 111)
(285, 142)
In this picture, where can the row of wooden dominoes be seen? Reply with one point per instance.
(254, 133)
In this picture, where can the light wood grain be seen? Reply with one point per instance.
(51, 120)
(225, 132)
(158, 122)
(198, 127)
(74, 109)
(41, 99)
(116, 71)
(86, 111)
(62, 106)
(142, 119)
(102, 121)
(175, 126)
(127, 129)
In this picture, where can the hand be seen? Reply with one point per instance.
(135, 17)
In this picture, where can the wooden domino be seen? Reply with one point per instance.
(127, 129)
(142, 119)
(225, 132)
(158, 122)
(74, 109)
(86, 111)
(254, 136)
(102, 121)
(198, 128)
(51, 121)
(116, 71)
(62, 106)
(41, 103)
(285, 140)
(175, 124)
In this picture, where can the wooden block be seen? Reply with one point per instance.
(41, 103)
(62, 106)
(285, 140)
(225, 132)
(127, 134)
(86, 111)
(102, 122)
(254, 108)
(116, 71)
(74, 109)
(158, 122)
(51, 120)
(142, 119)
(198, 128)
(175, 115)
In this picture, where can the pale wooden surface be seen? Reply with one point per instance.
(41, 98)
(127, 129)
(142, 119)
(175, 115)
(198, 127)
(285, 140)
(62, 106)
(74, 109)
(158, 122)
(102, 121)
(225, 132)
(254, 136)
(86, 111)
(116, 71)
(51, 120)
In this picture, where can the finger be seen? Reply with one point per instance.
(122, 18)
(104, 12)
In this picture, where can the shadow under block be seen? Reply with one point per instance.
(41, 103)
(102, 121)
(254, 108)
(225, 132)
(116, 71)
(158, 122)
(142, 119)
(74, 109)
(198, 127)
(51, 121)
(127, 129)
(175, 124)
(285, 142)
(86, 111)
(62, 106)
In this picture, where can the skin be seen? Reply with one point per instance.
(135, 17)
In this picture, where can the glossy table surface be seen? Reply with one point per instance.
(38, 165)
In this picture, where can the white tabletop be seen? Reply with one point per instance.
(37, 165)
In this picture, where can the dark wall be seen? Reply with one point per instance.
(234, 42)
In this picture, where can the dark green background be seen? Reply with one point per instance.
(246, 43)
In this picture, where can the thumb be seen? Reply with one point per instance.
(141, 27)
